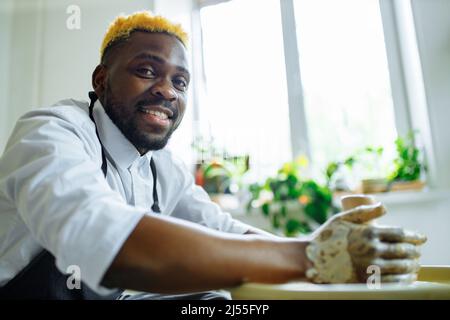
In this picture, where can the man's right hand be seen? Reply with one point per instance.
(342, 249)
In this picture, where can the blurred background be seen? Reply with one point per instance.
(293, 103)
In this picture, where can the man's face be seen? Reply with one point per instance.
(143, 88)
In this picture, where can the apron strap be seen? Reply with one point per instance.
(155, 206)
(93, 97)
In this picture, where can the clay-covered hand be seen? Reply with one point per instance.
(342, 249)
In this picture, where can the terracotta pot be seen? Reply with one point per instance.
(374, 185)
(407, 185)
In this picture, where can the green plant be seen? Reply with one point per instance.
(223, 175)
(293, 204)
(408, 165)
(334, 166)
(368, 161)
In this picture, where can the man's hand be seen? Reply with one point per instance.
(345, 246)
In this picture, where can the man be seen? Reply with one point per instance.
(91, 187)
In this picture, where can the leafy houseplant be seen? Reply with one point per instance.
(332, 170)
(293, 204)
(364, 166)
(405, 175)
(408, 166)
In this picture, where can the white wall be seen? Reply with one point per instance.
(432, 24)
(42, 61)
(430, 217)
(52, 62)
(25, 53)
(73, 54)
(5, 40)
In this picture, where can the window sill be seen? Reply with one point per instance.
(231, 204)
(398, 198)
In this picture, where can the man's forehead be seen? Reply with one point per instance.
(158, 45)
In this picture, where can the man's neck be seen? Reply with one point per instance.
(142, 151)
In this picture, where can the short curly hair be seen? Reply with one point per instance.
(122, 27)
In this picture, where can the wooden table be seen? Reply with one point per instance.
(433, 283)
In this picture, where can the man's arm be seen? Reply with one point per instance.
(169, 255)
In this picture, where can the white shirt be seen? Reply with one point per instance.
(53, 194)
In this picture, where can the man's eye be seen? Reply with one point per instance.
(180, 84)
(145, 72)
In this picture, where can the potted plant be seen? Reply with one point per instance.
(293, 203)
(408, 166)
(361, 172)
(374, 177)
(216, 171)
(223, 175)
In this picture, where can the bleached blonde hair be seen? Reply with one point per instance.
(123, 26)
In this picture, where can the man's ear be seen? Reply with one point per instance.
(99, 80)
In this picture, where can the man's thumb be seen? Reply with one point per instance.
(363, 213)
(356, 200)
(360, 208)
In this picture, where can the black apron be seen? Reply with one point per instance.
(41, 279)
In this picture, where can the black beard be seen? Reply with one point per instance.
(142, 142)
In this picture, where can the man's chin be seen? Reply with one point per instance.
(152, 143)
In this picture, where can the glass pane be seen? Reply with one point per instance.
(345, 78)
(246, 103)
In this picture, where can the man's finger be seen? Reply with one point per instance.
(397, 266)
(399, 278)
(363, 213)
(394, 234)
(397, 251)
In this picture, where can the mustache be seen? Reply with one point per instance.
(162, 102)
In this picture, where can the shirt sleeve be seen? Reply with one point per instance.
(51, 172)
(195, 205)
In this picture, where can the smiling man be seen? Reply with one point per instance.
(144, 106)
(92, 186)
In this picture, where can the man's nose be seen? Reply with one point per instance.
(164, 90)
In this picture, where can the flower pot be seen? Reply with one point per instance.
(407, 185)
(374, 185)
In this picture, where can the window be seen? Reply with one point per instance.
(342, 98)
(345, 77)
(246, 99)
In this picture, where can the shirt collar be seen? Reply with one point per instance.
(121, 151)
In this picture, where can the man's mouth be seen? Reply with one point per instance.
(156, 116)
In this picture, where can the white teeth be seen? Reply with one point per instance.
(159, 114)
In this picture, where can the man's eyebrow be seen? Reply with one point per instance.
(152, 57)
